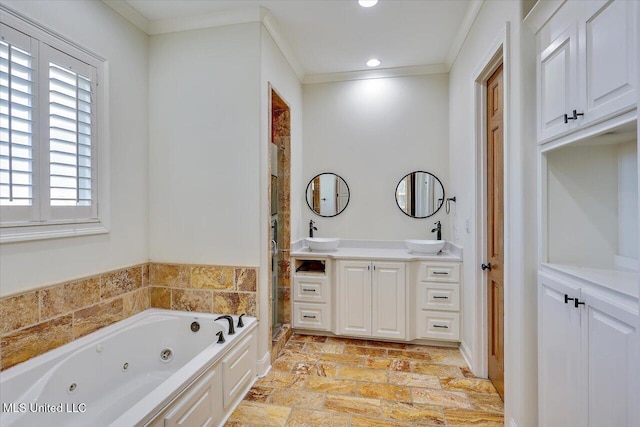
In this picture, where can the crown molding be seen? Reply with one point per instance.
(376, 74)
(129, 13)
(272, 27)
(463, 31)
(235, 16)
(541, 12)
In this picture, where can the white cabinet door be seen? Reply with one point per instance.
(354, 298)
(389, 319)
(608, 58)
(612, 360)
(559, 360)
(557, 84)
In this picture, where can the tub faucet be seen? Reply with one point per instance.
(230, 320)
(438, 229)
(311, 228)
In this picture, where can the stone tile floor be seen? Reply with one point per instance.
(327, 381)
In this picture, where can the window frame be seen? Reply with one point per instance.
(45, 221)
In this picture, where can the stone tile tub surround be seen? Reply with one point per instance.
(36, 321)
(205, 288)
(39, 320)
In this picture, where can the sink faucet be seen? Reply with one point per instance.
(438, 229)
(311, 228)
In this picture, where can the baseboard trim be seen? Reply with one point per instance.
(466, 353)
(264, 364)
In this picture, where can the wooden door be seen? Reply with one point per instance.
(495, 228)
(354, 298)
(388, 297)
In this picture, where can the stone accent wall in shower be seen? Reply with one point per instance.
(204, 288)
(281, 137)
(39, 320)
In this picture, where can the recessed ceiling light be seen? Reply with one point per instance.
(367, 3)
(373, 62)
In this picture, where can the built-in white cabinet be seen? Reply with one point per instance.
(587, 65)
(213, 396)
(438, 301)
(312, 294)
(588, 358)
(371, 299)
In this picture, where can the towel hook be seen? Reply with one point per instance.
(447, 205)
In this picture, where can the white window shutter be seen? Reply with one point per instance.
(18, 99)
(70, 126)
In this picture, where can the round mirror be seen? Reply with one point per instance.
(420, 194)
(327, 194)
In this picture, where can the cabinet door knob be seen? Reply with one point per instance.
(567, 299)
(577, 302)
(486, 266)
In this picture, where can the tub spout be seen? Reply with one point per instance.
(230, 320)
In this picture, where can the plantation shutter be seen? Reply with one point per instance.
(18, 82)
(71, 130)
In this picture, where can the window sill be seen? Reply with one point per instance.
(50, 231)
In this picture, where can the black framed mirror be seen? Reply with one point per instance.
(327, 194)
(420, 194)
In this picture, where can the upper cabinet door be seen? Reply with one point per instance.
(612, 360)
(557, 84)
(608, 57)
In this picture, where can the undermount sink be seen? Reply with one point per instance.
(425, 247)
(322, 244)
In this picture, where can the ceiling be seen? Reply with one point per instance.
(335, 36)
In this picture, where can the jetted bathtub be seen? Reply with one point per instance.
(159, 368)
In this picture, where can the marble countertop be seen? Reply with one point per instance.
(377, 249)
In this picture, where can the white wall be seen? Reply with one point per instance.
(372, 133)
(520, 193)
(205, 153)
(583, 205)
(628, 200)
(276, 73)
(96, 27)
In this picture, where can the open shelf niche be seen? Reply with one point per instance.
(590, 209)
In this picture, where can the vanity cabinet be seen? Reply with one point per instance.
(587, 63)
(588, 367)
(438, 300)
(371, 299)
(312, 294)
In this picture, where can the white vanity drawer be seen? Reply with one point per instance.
(312, 289)
(445, 272)
(440, 325)
(311, 316)
(439, 296)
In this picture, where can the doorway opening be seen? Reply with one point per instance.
(280, 220)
